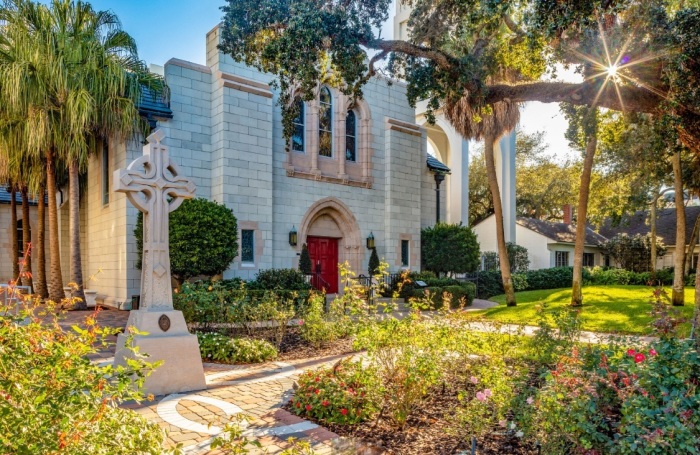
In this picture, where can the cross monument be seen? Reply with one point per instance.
(154, 185)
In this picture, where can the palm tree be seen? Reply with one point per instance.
(677, 293)
(79, 83)
(504, 117)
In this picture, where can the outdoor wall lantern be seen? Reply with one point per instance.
(370, 241)
(293, 236)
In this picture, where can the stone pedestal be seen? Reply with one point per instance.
(181, 370)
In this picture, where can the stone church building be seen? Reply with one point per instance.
(351, 171)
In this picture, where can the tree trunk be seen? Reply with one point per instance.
(582, 210)
(26, 240)
(56, 278)
(692, 242)
(39, 248)
(652, 225)
(13, 232)
(677, 296)
(508, 288)
(696, 322)
(76, 266)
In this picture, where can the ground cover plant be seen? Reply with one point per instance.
(621, 309)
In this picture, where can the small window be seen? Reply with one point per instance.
(607, 260)
(105, 173)
(562, 259)
(588, 259)
(351, 137)
(404, 253)
(325, 125)
(248, 246)
(298, 137)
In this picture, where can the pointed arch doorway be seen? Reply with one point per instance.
(332, 235)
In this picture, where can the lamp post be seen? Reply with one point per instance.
(439, 178)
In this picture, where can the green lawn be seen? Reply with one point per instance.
(621, 309)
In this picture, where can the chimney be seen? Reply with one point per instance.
(567, 213)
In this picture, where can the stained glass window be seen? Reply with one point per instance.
(325, 125)
(351, 137)
(298, 137)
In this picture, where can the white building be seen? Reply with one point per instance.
(353, 170)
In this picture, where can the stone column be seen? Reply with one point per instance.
(312, 134)
(504, 151)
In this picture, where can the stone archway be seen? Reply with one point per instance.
(330, 217)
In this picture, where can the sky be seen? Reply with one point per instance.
(164, 29)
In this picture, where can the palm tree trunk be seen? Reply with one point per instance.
(26, 239)
(13, 232)
(696, 322)
(692, 243)
(76, 266)
(56, 278)
(508, 288)
(677, 296)
(40, 252)
(582, 211)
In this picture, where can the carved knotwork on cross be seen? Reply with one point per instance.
(154, 185)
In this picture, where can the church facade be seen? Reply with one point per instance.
(352, 170)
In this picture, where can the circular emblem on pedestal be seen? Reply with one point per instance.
(164, 322)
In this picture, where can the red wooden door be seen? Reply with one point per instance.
(324, 261)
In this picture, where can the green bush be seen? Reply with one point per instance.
(279, 280)
(347, 393)
(437, 297)
(203, 239)
(222, 348)
(632, 252)
(318, 328)
(305, 260)
(614, 276)
(53, 399)
(449, 248)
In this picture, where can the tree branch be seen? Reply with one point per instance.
(635, 99)
(443, 60)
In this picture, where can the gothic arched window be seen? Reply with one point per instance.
(298, 137)
(325, 125)
(351, 136)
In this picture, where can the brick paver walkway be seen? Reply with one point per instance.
(259, 392)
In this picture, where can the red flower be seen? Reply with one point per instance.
(317, 391)
(344, 411)
(325, 403)
(652, 352)
(298, 404)
(318, 379)
(631, 352)
(308, 407)
(626, 381)
(639, 357)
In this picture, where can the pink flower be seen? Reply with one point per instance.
(344, 411)
(480, 396)
(474, 379)
(639, 357)
(631, 352)
(530, 400)
(487, 393)
(652, 352)
(301, 322)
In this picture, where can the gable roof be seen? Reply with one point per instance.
(637, 223)
(559, 232)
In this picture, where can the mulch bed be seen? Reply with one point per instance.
(294, 347)
(426, 432)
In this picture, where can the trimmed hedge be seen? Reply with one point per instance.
(490, 282)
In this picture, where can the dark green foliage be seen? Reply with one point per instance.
(203, 239)
(279, 279)
(466, 291)
(632, 252)
(224, 349)
(305, 260)
(517, 258)
(449, 248)
(601, 276)
(373, 262)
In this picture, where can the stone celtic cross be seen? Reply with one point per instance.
(154, 185)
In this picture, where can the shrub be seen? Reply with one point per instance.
(222, 348)
(305, 260)
(203, 239)
(347, 393)
(632, 252)
(319, 329)
(373, 265)
(517, 258)
(461, 295)
(54, 400)
(278, 280)
(449, 248)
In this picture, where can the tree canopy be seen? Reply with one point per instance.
(474, 58)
